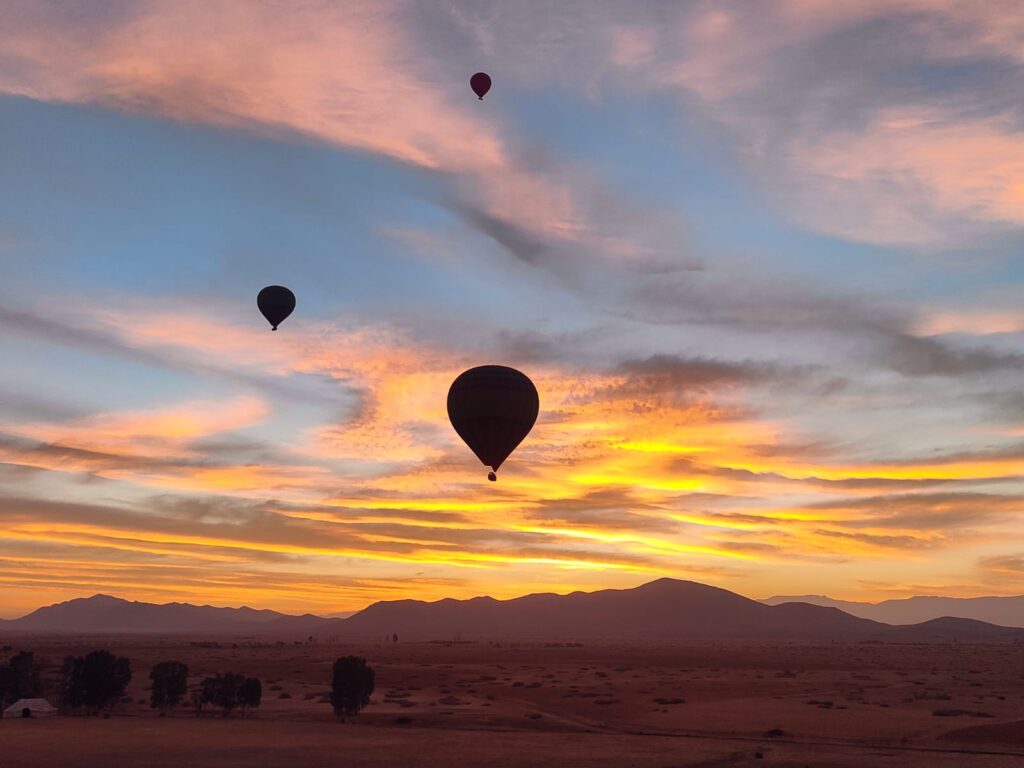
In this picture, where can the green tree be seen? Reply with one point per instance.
(351, 686)
(170, 681)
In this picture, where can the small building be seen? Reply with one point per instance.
(30, 708)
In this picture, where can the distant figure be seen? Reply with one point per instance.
(275, 302)
(481, 84)
(26, 712)
(394, 638)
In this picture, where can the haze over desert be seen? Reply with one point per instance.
(907, 696)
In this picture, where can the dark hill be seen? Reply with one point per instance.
(1002, 611)
(950, 629)
(103, 613)
(665, 608)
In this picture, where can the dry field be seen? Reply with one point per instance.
(518, 704)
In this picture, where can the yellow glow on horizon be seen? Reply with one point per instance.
(609, 450)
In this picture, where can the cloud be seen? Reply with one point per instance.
(346, 75)
(516, 241)
(228, 534)
(939, 512)
(155, 431)
(884, 122)
(374, 77)
(151, 342)
(834, 110)
(22, 405)
(1003, 566)
(978, 322)
(182, 470)
(915, 356)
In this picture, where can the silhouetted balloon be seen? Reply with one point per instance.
(275, 302)
(493, 408)
(481, 84)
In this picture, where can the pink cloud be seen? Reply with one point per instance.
(369, 76)
(981, 322)
(351, 74)
(151, 432)
(969, 169)
(800, 87)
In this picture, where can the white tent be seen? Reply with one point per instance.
(35, 708)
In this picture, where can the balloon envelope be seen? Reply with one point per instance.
(493, 408)
(480, 83)
(275, 302)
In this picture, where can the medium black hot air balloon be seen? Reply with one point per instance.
(493, 408)
(275, 302)
(481, 84)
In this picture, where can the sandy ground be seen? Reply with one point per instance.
(490, 704)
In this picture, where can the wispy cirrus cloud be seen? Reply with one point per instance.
(366, 76)
(848, 142)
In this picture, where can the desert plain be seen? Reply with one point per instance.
(512, 704)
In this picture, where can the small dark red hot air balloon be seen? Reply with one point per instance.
(493, 408)
(481, 84)
(275, 302)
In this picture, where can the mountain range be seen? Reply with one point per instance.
(103, 613)
(1007, 611)
(664, 609)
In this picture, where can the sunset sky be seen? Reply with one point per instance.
(764, 262)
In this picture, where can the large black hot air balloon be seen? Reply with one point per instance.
(481, 84)
(493, 408)
(275, 302)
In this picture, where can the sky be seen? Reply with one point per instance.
(764, 262)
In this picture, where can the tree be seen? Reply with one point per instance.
(197, 702)
(351, 686)
(249, 694)
(6, 686)
(170, 681)
(222, 691)
(94, 682)
(20, 678)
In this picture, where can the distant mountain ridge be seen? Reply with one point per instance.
(104, 613)
(665, 609)
(1004, 611)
